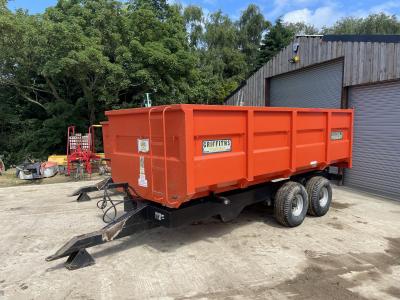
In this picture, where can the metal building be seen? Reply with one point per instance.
(356, 71)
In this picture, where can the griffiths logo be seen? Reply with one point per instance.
(217, 146)
(336, 135)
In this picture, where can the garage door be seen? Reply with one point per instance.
(376, 144)
(318, 86)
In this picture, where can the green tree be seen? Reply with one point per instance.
(301, 28)
(372, 24)
(159, 7)
(83, 38)
(278, 37)
(252, 25)
(158, 56)
(222, 53)
(194, 21)
(3, 5)
(82, 57)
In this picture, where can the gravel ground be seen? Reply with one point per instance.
(351, 253)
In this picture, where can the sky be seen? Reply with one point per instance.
(316, 12)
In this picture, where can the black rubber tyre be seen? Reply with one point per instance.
(319, 195)
(287, 207)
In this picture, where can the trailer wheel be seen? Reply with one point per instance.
(320, 195)
(291, 204)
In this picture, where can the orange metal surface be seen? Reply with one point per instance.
(171, 154)
(106, 141)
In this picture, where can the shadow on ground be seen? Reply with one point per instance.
(324, 277)
(170, 239)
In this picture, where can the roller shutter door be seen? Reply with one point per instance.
(319, 86)
(376, 144)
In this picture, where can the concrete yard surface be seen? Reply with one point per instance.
(351, 253)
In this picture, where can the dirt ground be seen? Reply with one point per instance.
(351, 253)
(8, 179)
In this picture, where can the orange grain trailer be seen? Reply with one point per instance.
(183, 163)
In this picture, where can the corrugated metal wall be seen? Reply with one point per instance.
(376, 145)
(252, 93)
(318, 86)
(365, 62)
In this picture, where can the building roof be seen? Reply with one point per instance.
(384, 39)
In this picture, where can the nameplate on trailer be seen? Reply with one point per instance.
(143, 145)
(217, 146)
(336, 135)
(142, 181)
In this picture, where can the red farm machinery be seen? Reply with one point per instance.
(81, 151)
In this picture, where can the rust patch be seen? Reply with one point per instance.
(113, 231)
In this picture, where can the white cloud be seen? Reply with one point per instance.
(385, 7)
(279, 7)
(322, 16)
(299, 15)
(329, 13)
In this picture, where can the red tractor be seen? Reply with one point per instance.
(81, 151)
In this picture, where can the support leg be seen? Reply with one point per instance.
(79, 259)
(83, 197)
(91, 188)
(131, 222)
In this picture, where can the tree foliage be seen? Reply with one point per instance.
(372, 24)
(278, 37)
(82, 57)
(252, 27)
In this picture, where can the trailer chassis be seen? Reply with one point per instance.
(141, 215)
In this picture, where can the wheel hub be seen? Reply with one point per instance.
(323, 197)
(297, 205)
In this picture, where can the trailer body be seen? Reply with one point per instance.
(178, 164)
(176, 153)
(106, 140)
